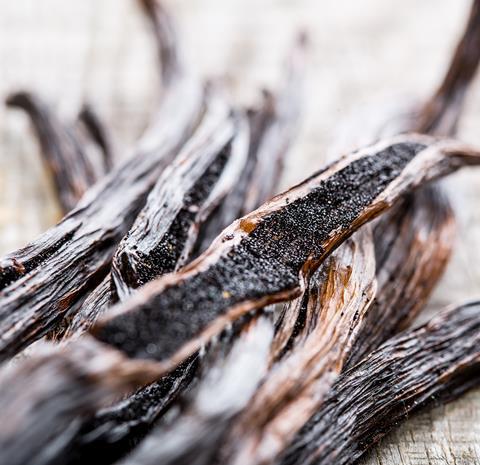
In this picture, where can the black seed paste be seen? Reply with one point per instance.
(265, 262)
(165, 256)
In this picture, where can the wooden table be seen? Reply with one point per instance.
(362, 51)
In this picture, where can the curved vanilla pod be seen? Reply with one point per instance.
(165, 231)
(437, 361)
(265, 256)
(42, 281)
(205, 169)
(273, 127)
(172, 71)
(64, 150)
(165, 33)
(308, 351)
(413, 244)
(99, 132)
(46, 396)
(440, 114)
(238, 366)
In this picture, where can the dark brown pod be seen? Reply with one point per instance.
(413, 244)
(440, 114)
(169, 54)
(97, 130)
(332, 310)
(436, 362)
(265, 256)
(161, 239)
(425, 220)
(68, 152)
(351, 305)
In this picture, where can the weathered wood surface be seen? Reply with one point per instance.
(364, 50)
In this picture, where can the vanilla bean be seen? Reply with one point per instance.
(413, 245)
(126, 427)
(428, 211)
(75, 255)
(414, 221)
(443, 227)
(162, 237)
(63, 148)
(100, 134)
(334, 306)
(440, 114)
(437, 361)
(263, 257)
(413, 241)
(169, 54)
(172, 70)
(335, 323)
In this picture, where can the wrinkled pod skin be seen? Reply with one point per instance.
(261, 258)
(433, 363)
(350, 305)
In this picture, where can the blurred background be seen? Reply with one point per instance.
(372, 53)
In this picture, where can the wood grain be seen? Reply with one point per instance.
(103, 52)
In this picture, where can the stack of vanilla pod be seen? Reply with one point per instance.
(154, 295)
